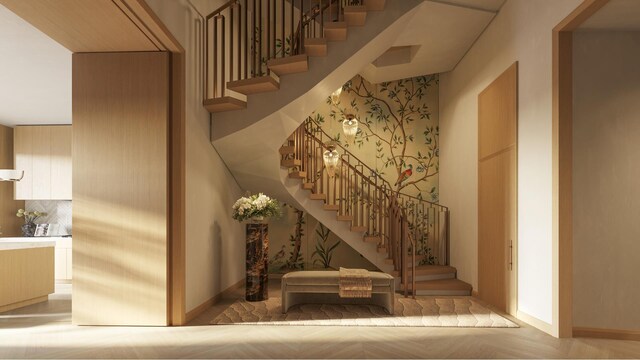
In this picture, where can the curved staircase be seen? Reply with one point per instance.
(269, 64)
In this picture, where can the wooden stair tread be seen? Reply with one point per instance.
(344, 218)
(442, 284)
(358, 228)
(355, 15)
(374, 5)
(331, 207)
(290, 162)
(335, 30)
(307, 186)
(289, 64)
(225, 103)
(371, 239)
(254, 85)
(429, 270)
(315, 46)
(297, 175)
(318, 196)
(286, 150)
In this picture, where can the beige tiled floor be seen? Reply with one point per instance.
(44, 331)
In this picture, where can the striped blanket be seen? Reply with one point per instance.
(354, 283)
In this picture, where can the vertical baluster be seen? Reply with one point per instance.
(283, 34)
(274, 33)
(223, 60)
(269, 56)
(231, 37)
(301, 29)
(260, 34)
(239, 71)
(293, 39)
(214, 71)
(321, 30)
(246, 39)
(206, 64)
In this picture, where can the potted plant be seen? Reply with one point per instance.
(29, 227)
(255, 208)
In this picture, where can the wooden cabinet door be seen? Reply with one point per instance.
(61, 162)
(23, 155)
(44, 153)
(497, 184)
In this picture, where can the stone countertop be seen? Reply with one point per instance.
(25, 243)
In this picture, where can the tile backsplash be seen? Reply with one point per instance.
(58, 212)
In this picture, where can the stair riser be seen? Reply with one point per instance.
(434, 277)
(443, 293)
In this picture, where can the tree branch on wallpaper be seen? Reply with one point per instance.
(324, 252)
(296, 261)
(394, 111)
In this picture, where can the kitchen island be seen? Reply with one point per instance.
(26, 272)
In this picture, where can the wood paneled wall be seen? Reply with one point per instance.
(9, 222)
(121, 113)
(497, 191)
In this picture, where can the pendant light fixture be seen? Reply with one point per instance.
(331, 157)
(11, 175)
(335, 96)
(350, 128)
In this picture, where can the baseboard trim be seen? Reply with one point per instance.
(615, 334)
(474, 293)
(192, 314)
(23, 303)
(535, 322)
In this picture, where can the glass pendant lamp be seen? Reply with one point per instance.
(331, 158)
(350, 128)
(335, 96)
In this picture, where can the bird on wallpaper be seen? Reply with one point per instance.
(280, 254)
(404, 175)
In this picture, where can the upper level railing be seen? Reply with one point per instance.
(242, 36)
(398, 223)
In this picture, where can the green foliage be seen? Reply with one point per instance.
(323, 253)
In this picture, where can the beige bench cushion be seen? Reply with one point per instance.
(330, 278)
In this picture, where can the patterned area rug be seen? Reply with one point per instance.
(422, 312)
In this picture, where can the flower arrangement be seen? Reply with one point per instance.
(255, 206)
(29, 216)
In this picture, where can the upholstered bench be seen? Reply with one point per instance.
(322, 287)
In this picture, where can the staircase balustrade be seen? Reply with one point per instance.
(403, 226)
(243, 36)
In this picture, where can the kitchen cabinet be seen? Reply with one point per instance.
(44, 153)
(63, 259)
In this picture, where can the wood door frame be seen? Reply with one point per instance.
(512, 283)
(562, 164)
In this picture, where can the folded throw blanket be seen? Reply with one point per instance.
(354, 283)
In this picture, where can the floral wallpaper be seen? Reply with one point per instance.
(398, 130)
(397, 137)
(297, 241)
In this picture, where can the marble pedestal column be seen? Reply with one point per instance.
(257, 262)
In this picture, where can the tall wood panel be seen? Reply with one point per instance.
(9, 222)
(497, 190)
(120, 188)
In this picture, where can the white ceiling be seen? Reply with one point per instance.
(616, 15)
(442, 32)
(35, 75)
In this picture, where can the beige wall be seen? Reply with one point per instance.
(520, 32)
(9, 222)
(215, 243)
(606, 149)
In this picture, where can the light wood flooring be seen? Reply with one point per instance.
(44, 331)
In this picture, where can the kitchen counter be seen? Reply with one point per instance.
(25, 243)
(26, 271)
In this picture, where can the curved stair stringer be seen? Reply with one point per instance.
(328, 219)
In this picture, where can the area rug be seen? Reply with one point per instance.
(421, 312)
